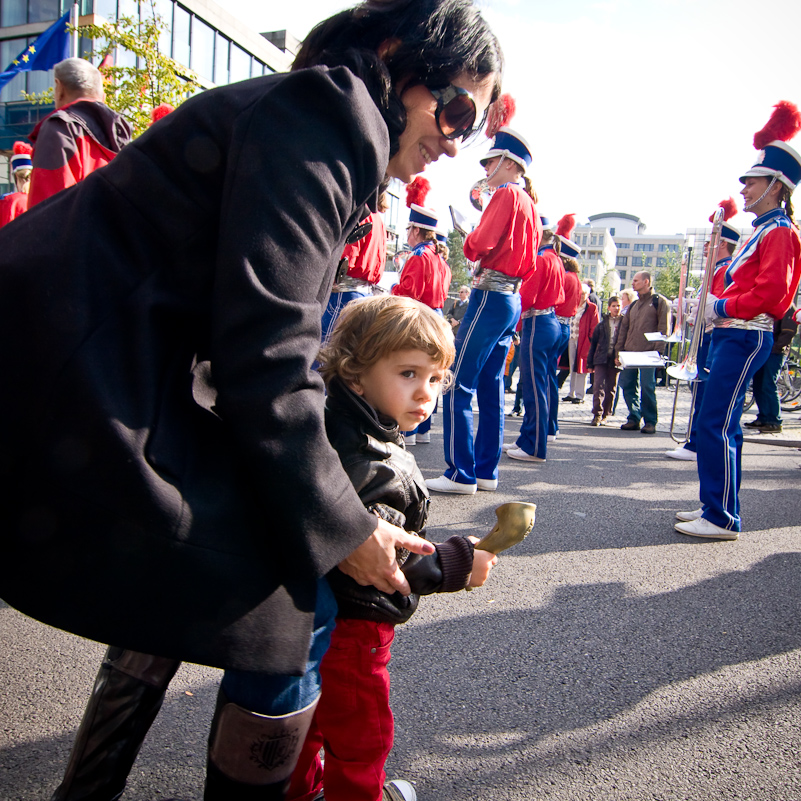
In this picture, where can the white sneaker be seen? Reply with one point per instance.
(507, 446)
(444, 484)
(704, 528)
(519, 453)
(410, 439)
(487, 484)
(424, 439)
(682, 454)
(687, 516)
(398, 790)
(552, 437)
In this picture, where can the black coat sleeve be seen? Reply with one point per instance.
(303, 162)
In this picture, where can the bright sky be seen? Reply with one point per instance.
(647, 107)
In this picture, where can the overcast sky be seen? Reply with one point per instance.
(647, 107)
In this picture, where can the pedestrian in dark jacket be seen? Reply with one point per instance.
(384, 367)
(601, 358)
(166, 479)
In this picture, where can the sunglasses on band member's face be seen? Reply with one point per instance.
(456, 111)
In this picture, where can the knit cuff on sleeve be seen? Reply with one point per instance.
(456, 561)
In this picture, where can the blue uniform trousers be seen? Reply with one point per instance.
(698, 390)
(766, 393)
(553, 405)
(336, 302)
(539, 341)
(481, 348)
(734, 357)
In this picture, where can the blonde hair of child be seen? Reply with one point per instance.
(373, 327)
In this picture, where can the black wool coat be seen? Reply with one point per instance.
(145, 504)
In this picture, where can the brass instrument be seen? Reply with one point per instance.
(687, 370)
(478, 192)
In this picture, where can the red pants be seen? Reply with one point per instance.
(353, 722)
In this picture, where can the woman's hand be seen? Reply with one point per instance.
(375, 562)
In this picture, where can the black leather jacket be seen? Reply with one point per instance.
(390, 485)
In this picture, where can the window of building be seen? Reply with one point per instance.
(105, 8)
(661, 261)
(636, 261)
(202, 51)
(611, 231)
(583, 239)
(221, 48)
(621, 261)
(622, 275)
(13, 12)
(164, 10)
(180, 35)
(42, 11)
(649, 260)
(594, 239)
(240, 64)
(623, 245)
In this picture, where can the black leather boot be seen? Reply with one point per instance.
(251, 756)
(128, 693)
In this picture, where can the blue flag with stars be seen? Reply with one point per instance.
(43, 54)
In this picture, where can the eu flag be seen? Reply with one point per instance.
(43, 54)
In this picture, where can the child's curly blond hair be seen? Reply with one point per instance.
(373, 327)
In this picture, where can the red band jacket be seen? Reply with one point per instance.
(508, 235)
(573, 295)
(11, 206)
(544, 286)
(426, 277)
(367, 256)
(763, 277)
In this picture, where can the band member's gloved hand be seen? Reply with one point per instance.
(709, 310)
(692, 310)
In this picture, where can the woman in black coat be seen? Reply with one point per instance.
(166, 480)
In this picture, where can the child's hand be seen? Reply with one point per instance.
(483, 562)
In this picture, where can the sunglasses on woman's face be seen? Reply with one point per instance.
(456, 111)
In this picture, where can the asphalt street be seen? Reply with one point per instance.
(608, 656)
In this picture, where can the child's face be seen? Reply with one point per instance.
(403, 385)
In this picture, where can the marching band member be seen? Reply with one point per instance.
(729, 237)
(363, 264)
(565, 311)
(756, 289)
(426, 277)
(15, 203)
(505, 241)
(542, 289)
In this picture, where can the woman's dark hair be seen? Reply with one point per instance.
(436, 41)
(785, 196)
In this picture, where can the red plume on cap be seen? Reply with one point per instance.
(784, 124)
(160, 111)
(500, 114)
(21, 148)
(417, 191)
(566, 225)
(729, 209)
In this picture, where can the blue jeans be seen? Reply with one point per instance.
(639, 392)
(272, 695)
(766, 393)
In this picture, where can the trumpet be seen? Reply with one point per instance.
(687, 370)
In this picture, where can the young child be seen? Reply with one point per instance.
(384, 366)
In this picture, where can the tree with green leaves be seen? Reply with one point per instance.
(134, 91)
(460, 266)
(666, 281)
